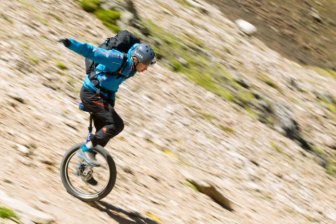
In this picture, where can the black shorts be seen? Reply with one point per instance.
(103, 113)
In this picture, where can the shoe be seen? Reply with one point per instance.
(92, 181)
(88, 156)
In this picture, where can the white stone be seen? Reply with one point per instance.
(246, 27)
(23, 149)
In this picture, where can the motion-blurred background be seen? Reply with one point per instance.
(234, 124)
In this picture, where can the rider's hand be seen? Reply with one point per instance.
(65, 41)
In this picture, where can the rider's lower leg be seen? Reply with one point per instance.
(88, 155)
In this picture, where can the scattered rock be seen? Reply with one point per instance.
(127, 169)
(294, 84)
(285, 122)
(316, 15)
(8, 181)
(210, 190)
(246, 27)
(198, 5)
(23, 149)
(18, 98)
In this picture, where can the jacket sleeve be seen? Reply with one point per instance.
(111, 59)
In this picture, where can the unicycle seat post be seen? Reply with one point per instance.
(90, 129)
(83, 108)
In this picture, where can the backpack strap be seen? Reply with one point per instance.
(122, 66)
(94, 79)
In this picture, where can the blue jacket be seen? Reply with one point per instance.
(109, 61)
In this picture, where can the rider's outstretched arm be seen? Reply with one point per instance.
(112, 59)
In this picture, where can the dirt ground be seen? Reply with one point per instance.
(303, 31)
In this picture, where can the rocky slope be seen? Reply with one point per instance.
(303, 31)
(177, 133)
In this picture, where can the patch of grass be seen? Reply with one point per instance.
(34, 60)
(7, 213)
(194, 40)
(58, 18)
(6, 18)
(268, 120)
(155, 218)
(176, 65)
(331, 168)
(44, 21)
(26, 4)
(244, 98)
(168, 152)
(252, 113)
(183, 2)
(109, 18)
(276, 147)
(90, 5)
(318, 150)
(227, 129)
(324, 72)
(329, 104)
(198, 65)
(207, 116)
(266, 79)
(61, 65)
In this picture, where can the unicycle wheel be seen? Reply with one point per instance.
(85, 182)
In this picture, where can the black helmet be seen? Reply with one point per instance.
(144, 54)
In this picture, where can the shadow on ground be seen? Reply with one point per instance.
(120, 215)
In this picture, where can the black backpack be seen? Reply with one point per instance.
(122, 42)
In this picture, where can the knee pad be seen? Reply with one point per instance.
(113, 129)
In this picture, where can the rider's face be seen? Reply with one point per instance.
(141, 67)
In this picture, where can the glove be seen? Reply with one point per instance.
(65, 41)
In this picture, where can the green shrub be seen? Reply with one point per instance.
(7, 213)
(114, 27)
(109, 18)
(90, 5)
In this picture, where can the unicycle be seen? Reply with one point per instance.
(77, 175)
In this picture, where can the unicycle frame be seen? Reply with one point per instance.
(90, 128)
(88, 138)
(97, 149)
